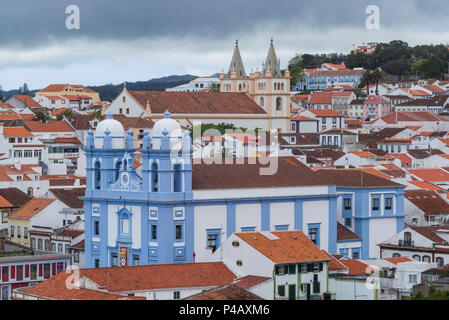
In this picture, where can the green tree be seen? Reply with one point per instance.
(434, 294)
(68, 112)
(367, 80)
(25, 89)
(432, 67)
(215, 87)
(296, 69)
(96, 115)
(41, 116)
(378, 76)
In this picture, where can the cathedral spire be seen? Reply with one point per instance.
(272, 61)
(237, 63)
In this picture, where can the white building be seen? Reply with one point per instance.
(196, 85)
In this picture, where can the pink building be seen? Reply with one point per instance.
(376, 107)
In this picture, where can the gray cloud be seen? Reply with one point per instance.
(137, 39)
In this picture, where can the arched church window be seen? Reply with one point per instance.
(124, 224)
(240, 87)
(261, 101)
(124, 99)
(97, 175)
(154, 177)
(282, 86)
(30, 191)
(278, 104)
(125, 165)
(177, 178)
(117, 169)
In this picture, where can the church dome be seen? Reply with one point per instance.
(116, 132)
(166, 124)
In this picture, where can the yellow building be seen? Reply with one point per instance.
(69, 89)
(26, 218)
(269, 88)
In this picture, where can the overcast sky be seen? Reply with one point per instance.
(136, 40)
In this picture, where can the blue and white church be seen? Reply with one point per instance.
(171, 210)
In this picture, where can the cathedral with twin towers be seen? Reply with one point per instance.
(269, 87)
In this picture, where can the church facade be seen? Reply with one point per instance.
(175, 210)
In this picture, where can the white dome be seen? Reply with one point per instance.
(170, 125)
(116, 132)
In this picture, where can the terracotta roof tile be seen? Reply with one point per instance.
(225, 292)
(431, 175)
(355, 267)
(197, 102)
(354, 178)
(15, 196)
(292, 246)
(427, 201)
(250, 281)
(70, 197)
(398, 260)
(32, 207)
(53, 126)
(344, 234)
(16, 132)
(231, 176)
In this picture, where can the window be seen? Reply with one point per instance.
(96, 228)
(47, 245)
(281, 291)
(375, 204)
(5, 274)
(177, 178)
(53, 247)
(136, 260)
(154, 177)
(426, 259)
(416, 257)
(239, 262)
(278, 104)
(347, 204)
(212, 241)
(439, 261)
(178, 232)
(355, 255)
(25, 233)
(153, 232)
(97, 175)
(46, 270)
(407, 239)
(293, 126)
(124, 223)
(12, 231)
(291, 268)
(33, 271)
(19, 273)
(127, 110)
(19, 232)
(280, 269)
(388, 204)
(114, 259)
(76, 257)
(412, 278)
(97, 263)
(396, 255)
(176, 295)
(60, 247)
(314, 233)
(33, 243)
(348, 222)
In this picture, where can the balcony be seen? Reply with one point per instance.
(71, 155)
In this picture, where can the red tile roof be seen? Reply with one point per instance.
(16, 132)
(345, 234)
(67, 140)
(356, 267)
(228, 291)
(408, 116)
(291, 246)
(197, 102)
(326, 113)
(53, 126)
(247, 175)
(32, 207)
(30, 102)
(398, 260)
(250, 281)
(431, 175)
(334, 264)
(121, 279)
(428, 202)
